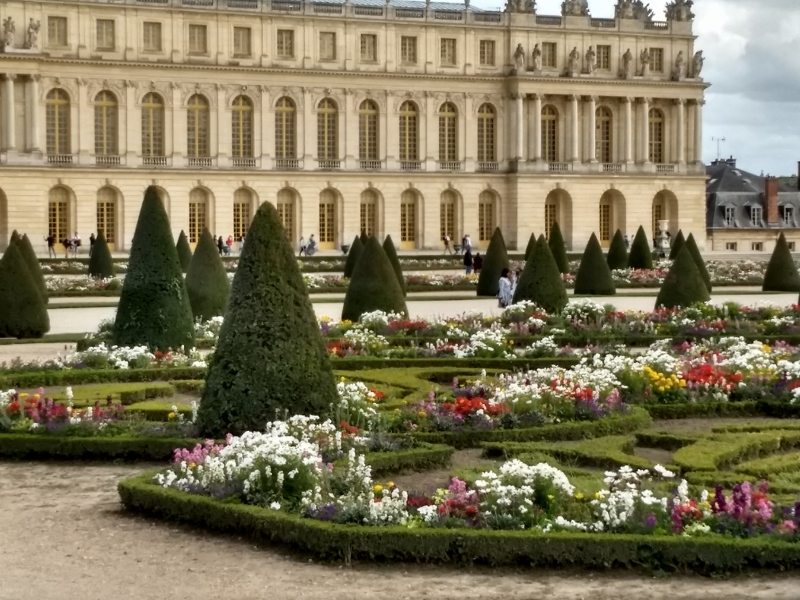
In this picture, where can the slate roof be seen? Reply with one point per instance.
(411, 4)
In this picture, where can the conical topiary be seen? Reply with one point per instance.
(677, 244)
(683, 286)
(363, 238)
(640, 256)
(781, 274)
(391, 252)
(374, 285)
(541, 280)
(29, 256)
(101, 264)
(270, 358)
(24, 314)
(184, 251)
(558, 248)
(594, 276)
(617, 257)
(494, 261)
(353, 254)
(206, 281)
(691, 245)
(154, 309)
(530, 246)
(15, 237)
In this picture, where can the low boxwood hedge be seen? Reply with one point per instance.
(422, 457)
(33, 379)
(747, 408)
(30, 446)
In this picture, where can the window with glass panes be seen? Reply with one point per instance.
(242, 212)
(369, 212)
(605, 221)
(106, 39)
(285, 207)
(105, 124)
(656, 150)
(285, 119)
(486, 134)
(603, 134)
(369, 47)
(756, 216)
(549, 134)
(788, 215)
(550, 217)
(549, 54)
(603, 58)
(197, 126)
(242, 127)
(327, 125)
(409, 147)
(368, 130)
(107, 214)
(447, 51)
(57, 31)
(448, 127)
(198, 214)
(730, 216)
(657, 60)
(408, 219)
(486, 221)
(327, 45)
(57, 122)
(447, 216)
(58, 214)
(151, 41)
(327, 219)
(285, 41)
(486, 53)
(241, 41)
(408, 50)
(152, 125)
(658, 215)
(198, 41)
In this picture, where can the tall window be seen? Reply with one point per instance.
(756, 216)
(550, 134)
(730, 216)
(603, 134)
(327, 125)
(327, 45)
(198, 214)
(408, 219)
(448, 128)
(105, 124)
(549, 55)
(107, 214)
(486, 53)
(285, 206)
(550, 216)
(447, 216)
(198, 39)
(152, 125)
(657, 60)
(408, 50)
(285, 42)
(604, 58)
(368, 130)
(657, 214)
(486, 134)
(369, 47)
(447, 51)
(409, 146)
(106, 38)
(197, 126)
(242, 212)
(327, 219)
(486, 216)
(58, 213)
(605, 220)
(369, 212)
(285, 115)
(151, 37)
(241, 41)
(656, 150)
(57, 31)
(57, 122)
(242, 125)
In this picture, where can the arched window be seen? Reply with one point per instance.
(549, 134)
(368, 131)
(656, 150)
(198, 214)
(285, 119)
(327, 219)
(58, 213)
(285, 206)
(57, 122)
(242, 127)
(447, 216)
(105, 124)
(550, 215)
(448, 133)
(107, 215)
(486, 134)
(487, 207)
(603, 135)
(558, 209)
(369, 212)
(606, 219)
(197, 127)
(408, 219)
(152, 125)
(327, 127)
(242, 212)
(409, 128)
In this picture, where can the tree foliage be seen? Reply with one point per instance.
(691, 245)
(206, 281)
(374, 285)
(617, 257)
(24, 314)
(34, 266)
(353, 254)
(594, 276)
(677, 244)
(558, 248)
(391, 252)
(101, 264)
(781, 274)
(683, 286)
(640, 257)
(494, 261)
(184, 251)
(541, 280)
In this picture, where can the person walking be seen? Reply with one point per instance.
(220, 245)
(468, 262)
(514, 278)
(67, 243)
(302, 246)
(51, 245)
(504, 295)
(627, 242)
(477, 263)
(92, 240)
(447, 249)
(467, 244)
(76, 244)
(229, 245)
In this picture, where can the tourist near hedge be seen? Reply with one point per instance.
(781, 274)
(494, 261)
(699, 261)
(101, 265)
(391, 252)
(23, 314)
(683, 286)
(34, 266)
(206, 281)
(677, 244)
(594, 277)
(270, 358)
(617, 257)
(558, 248)
(184, 251)
(541, 281)
(154, 308)
(373, 286)
(530, 246)
(353, 254)
(640, 256)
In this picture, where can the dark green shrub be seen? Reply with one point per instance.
(641, 256)
(15, 237)
(529, 247)
(594, 276)
(270, 358)
(29, 256)
(781, 274)
(101, 264)
(206, 281)
(353, 255)
(374, 285)
(683, 285)
(677, 243)
(24, 314)
(541, 280)
(391, 252)
(617, 253)
(184, 251)
(363, 238)
(558, 248)
(691, 245)
(494, 261)
(154, 308)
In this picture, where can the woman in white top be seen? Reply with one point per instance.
(504, 296)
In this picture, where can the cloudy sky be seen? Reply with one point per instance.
(752, 50)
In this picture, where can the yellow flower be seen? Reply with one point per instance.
(422, 414)
(192, 465)
(579, 496)
(171, 416)
(390, 484)
(550, 496)
(378, 488)
(342, 379)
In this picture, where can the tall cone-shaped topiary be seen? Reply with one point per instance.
(617, 257)
(353, 254)
(558, 248)
(15, 237)
(270, 357)
(677, 244)
(29, 256)
(154, 309)
(24, 314)
(541, 280)
(691, 246)
(683, 286)
(530, 246)
(494, 261)
(374, 285)
(640, 256)
(101, 264)
(781, 274)
(184, 251)
(206, 281)
(594, 276)
(391, 252)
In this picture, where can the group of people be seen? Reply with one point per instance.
(71, 245)
(466, 245)
(308, 248)
(225, 247)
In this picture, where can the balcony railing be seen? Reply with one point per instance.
(547, 20)
(488, 17)
(559, 167)
(323, 8)
(287, 6)
(59, 159)
(410, 165)
(200, 161)
(448, 15)
(488, 166)
(107, 161)
(244, 162)
(154, 161)
(198, 2)
(449, 165)
(287, 163)
(368, 11)
(612, 167)
(329, 164)
(604, 23)
(663, 168)
(409, 13)
(656, 25)
(250, 4)
(371, 165)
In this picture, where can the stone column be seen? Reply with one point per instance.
(680, 139)
(85, 146)
(221, 125)
(350, 131)
(430, 146)
(267, 126)
(591, 127)
(537, 127)
(32, 97)
(10, 141)
(645, 137)
(698, 132)
(628, 129)
(575, 147)
(176, 144)
(518, 131)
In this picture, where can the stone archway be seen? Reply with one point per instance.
(665, 207)
(611, 216)
(558, 209)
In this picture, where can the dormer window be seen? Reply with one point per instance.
(756, 216)
(787, 215)
(730, 216)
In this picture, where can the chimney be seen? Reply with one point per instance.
(771, 200)
(732, 162)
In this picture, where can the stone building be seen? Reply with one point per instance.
(415, 119)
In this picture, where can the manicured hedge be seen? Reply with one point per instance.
(761, 408)
(58, 447)
(663, 440)
(35, 379)
(423, 457)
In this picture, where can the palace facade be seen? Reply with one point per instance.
(415, 119)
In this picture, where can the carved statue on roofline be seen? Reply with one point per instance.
(574, 63)
(680, 10)
(8, 32)
(591, 60)
(33, 33)
(697, 64)
(519, 60)
(521, 6)
(537, 58)
(575, 8)
(634, 9)
(627, 64)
